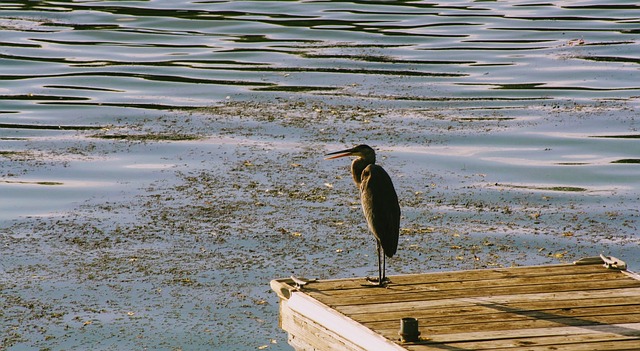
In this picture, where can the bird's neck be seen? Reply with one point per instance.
(357, 166)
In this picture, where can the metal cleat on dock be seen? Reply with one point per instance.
(301, 282)
(613, 263)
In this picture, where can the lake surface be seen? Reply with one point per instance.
(161, 161)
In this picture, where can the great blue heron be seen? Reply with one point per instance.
(379, 203)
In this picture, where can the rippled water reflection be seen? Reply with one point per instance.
(161, 54)
(509, 127)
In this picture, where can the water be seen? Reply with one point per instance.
(161, 161)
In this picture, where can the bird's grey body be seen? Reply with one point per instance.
(379, 203)
(381, 208)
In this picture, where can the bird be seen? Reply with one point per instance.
(379, 203)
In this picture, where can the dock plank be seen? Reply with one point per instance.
(399, 287)
(560, 307)
(549, 341)
(407, 281)
(391, 295)
(479, 314)
(563, 298)
(511, 325)
(585, 343)
(628, 330)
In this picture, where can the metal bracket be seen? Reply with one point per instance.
(613, 263)
(301, 282)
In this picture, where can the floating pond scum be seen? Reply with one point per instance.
(591, 304)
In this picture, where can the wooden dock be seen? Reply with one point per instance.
(579, 306)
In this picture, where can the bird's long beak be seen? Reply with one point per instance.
(338, 154)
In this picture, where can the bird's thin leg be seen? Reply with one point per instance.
(380, 265)
(383, 278)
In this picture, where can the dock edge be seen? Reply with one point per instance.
(304, 318)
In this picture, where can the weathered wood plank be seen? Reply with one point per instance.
(627, 329)
(435, 294)
(390, 329)
(539, 298)
(617, 345)
(327, 286)
(586, 343)
(443, 288)
(545, 340)
(481, 313)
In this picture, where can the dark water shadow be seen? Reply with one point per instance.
(621, 136)
(627, 161)
(47, 127)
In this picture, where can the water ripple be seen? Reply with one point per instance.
(225, 48)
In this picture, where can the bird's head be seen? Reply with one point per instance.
(362, 151)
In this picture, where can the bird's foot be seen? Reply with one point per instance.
(377, 282)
